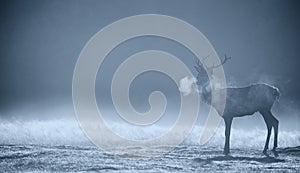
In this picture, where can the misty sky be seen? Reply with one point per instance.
(40, 42)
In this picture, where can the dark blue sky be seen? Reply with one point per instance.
(40, 42)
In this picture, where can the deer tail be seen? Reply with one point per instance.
(276, 93)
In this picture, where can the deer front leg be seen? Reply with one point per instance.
(228, 122)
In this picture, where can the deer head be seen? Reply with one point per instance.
(203, 70)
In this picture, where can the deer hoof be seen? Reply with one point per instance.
(275, 152)
(226, 153)
(265, 153)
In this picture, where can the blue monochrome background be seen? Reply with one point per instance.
(40, 41)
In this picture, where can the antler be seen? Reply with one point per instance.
(200, 66)
(222, 62)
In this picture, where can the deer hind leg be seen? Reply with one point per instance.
(268, 121)
(228, 122)
(275, 123)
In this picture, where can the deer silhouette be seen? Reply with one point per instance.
(240, 102)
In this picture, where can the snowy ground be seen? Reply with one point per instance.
(37, 158)
(61, 146)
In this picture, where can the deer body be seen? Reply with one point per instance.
(248, 100)
(242, 102)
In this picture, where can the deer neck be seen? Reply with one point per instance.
(205, 93)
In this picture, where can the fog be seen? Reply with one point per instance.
(41, 41)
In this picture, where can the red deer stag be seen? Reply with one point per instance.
(241, 102)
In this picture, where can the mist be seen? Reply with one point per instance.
(41, 41)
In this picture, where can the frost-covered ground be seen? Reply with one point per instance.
(37, 158)
(60, 146)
